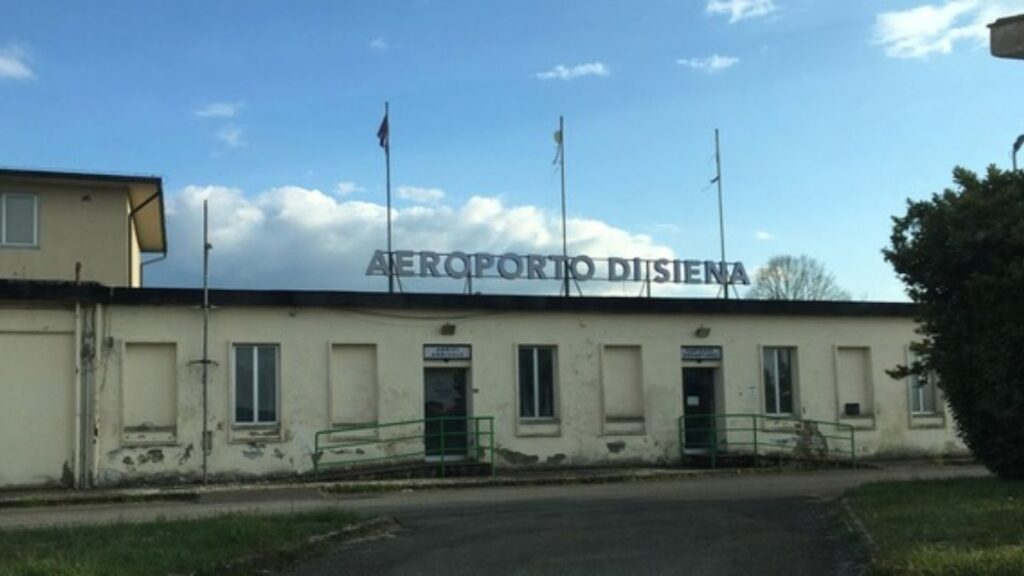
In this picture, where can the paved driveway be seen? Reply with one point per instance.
(759, 524)
(747, 524)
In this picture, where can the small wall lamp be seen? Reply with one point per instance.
(448, 329)
(702, 332)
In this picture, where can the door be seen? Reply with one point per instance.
(698, 405)
(444, 407)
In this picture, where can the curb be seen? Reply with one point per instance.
(858, 527)
(196, 494)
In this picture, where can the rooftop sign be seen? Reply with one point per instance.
(458, 265)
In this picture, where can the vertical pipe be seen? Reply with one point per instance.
(853, 449)
(714, 441)
(78, 382)
(721, 218)
(682, 441)
(753, 427)
(206, 336)
(443, 421)
(565, 238)
(387, 165)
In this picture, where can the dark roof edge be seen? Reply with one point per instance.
(83, 176)
(26, 290)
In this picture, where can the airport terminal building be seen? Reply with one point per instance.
(102, 380)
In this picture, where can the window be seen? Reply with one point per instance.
(18, 220)
(256, 384)
(778, 380)
(922, 392)
(536, 382)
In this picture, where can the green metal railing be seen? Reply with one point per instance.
(444, 440)
(759, 435)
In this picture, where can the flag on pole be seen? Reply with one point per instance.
(382, 133)
(558, 142)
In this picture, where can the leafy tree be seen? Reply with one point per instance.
(961, 255)
(795, 278)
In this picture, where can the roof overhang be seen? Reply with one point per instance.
(145, 196)
(1007, 37)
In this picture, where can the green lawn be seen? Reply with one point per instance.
(947, 527)
(233, 544)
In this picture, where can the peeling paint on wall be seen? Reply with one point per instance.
(516, 458)
(185, 455)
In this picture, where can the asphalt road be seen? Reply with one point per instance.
(758, 524)
(753, 524)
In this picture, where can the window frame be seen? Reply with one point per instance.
(793, 381)
(535, 378)
(4, 243)
(255, 422)
(915, 391)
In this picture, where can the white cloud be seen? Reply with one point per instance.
(220, 110)
(379, 43)
(711, 64)
(232, 136)
(14, 64)
(346, 188)
(256, 240)
(938, 28)
(763, 236)
(562, 72)
(740, 9)
(420, 195)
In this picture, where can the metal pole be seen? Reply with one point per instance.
(561, 165)
(721, 218)
(206, 333)
(387, 164)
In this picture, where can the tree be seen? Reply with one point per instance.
(795, 278)
(961, 256)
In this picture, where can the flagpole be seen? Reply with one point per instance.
(721, 218)
(387, 164)
(561, 165)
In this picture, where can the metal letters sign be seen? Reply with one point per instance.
(700, 353)
(511, 266)
(443, 352)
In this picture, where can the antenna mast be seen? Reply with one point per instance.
(723, 272)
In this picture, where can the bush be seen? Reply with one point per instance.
(961, 256)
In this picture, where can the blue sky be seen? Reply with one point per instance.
(831, 115)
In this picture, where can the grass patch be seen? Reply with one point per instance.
(944, 527)
(231, 544)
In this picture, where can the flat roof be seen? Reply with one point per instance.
(146, 194)
(44, 291)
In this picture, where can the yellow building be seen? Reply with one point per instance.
(101, 383)
(86, 227)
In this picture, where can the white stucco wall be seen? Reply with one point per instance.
(37, 392)
(579, 437)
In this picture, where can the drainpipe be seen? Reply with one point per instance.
(78, 382)
(142, 267)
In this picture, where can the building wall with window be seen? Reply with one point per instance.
(565, 388)
(54, 226)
